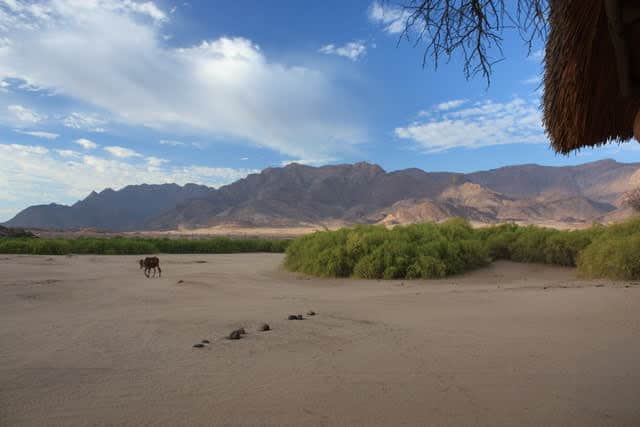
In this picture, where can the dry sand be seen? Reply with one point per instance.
(89, 340)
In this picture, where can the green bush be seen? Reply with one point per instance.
(614, 252)
(536, 244)
(426, 267)
(375, 252)
(563, 248)
(136, 246)
(431, 250)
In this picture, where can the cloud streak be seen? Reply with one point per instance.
(392, 18)
(24, 115)
(121, 152)
(478, 125)
(86, 143)
(352, 50)
(85, 121)
(39, 134)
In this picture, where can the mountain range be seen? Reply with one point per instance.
(355, 193)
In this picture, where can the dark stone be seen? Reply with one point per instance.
(235, 335)
(265, 327)
(206, 342)
(295, 317)
(180, 281)
(311, 313)
(198, 345)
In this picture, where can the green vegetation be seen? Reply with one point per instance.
(614, 253)
(137, 246)
(438, 250)
(14, 232)
(374, 252)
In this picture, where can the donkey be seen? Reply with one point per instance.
(151, 263)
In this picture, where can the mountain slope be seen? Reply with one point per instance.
(298, 193)
(127, 209)
(601, 181)
(358, 193)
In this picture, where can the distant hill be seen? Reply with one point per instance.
(130, 208)
(602, 180)
(354, 193)
(303, 194)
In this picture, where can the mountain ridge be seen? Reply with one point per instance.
(352, 193)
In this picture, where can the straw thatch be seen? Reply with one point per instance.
(583, 103)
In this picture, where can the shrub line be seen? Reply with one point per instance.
(431, 250)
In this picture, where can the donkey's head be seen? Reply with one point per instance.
(141, 263)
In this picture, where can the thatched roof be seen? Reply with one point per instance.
(583, 102)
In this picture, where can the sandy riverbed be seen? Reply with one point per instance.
(89, 340)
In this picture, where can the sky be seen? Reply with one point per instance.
(99, 94)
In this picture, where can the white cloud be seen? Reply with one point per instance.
(537, 55)
(121, 152)
(311, 162)
(172, 143)
(175, 143)
(444, 106)
(24, 115)
(85, 121)
(19, 10)
(156, 161)
(86, 143)
(68, 153)
(391, 17)
(39, 134)
(352, 50)
(223, 88)
(34, 175)
(146, 8)
(28, 87)
(533, 80)
(479, 125)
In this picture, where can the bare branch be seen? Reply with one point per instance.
(472, 28)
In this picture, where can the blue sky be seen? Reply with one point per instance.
(97, 94)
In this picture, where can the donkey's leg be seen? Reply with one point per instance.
(159, 271)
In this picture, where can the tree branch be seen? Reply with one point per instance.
(472, 28)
